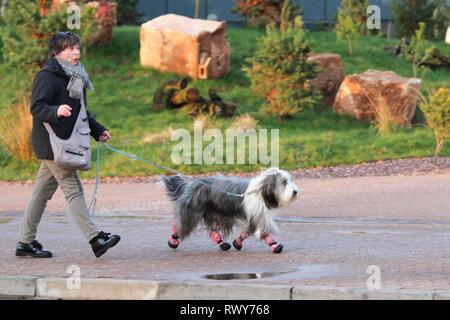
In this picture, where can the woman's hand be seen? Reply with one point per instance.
(105, 136)
(64, 111)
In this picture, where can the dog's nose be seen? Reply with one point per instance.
(295, 192)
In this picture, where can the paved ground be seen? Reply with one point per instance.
(332, 234)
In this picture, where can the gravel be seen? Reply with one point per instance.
(399, 167)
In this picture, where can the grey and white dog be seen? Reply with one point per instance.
(214, 201)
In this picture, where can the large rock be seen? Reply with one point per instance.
(194, 47)
(330, 77)
(364, 95)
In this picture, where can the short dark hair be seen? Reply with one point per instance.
(62, 40)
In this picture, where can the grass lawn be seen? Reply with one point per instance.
(124, 91)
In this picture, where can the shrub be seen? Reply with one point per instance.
(101, 21)
(26, 32)
(30, 24)
(437, 114)
(280, 71)
(24, 45)
(260, 13)
(18, 141)
(421, 56)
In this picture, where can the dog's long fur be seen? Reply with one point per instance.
(201, 200)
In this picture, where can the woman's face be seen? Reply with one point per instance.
(71, 54)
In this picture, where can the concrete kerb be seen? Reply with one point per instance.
(222, 291)
(100, 289)
(324, 293)
(97, 289)
(18, 286)
(441, 295)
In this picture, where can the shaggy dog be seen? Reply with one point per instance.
(223, 203)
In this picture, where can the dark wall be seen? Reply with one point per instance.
(313, 10)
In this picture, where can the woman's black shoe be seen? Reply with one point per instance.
(102, 242)
(32, 249)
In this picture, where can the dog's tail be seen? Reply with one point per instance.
(174, 186)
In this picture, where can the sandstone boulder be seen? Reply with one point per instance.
(330, 77)
(367, 95)
(194, 47)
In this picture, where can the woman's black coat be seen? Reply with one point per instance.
(48, 93)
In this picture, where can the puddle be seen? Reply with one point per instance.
(243, 276)
(305, 272)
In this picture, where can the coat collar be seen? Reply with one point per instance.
(52, 65)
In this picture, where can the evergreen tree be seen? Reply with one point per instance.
(409, 13)
(281, 72)
(348, 31)
(437, 113)
(416, 48)
(356, 11)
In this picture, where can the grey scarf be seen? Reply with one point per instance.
(79, 79)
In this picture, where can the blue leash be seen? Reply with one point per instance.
(135, 157)
(97, 181)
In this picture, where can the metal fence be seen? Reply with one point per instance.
(313, 10)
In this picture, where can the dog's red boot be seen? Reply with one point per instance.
(217, 238)
(237, 244)
(173, 241)
(225, 246)
(276, 248)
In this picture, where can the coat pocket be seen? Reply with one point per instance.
(84, 130)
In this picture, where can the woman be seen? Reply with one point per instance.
(56, 99)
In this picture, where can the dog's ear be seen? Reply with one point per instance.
(268, 193)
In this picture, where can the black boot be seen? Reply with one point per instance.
(102, 242)
(33, 249)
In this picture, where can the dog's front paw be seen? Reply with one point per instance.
(278, 248)
(173, 242)
(237, 245)
(225, 246)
